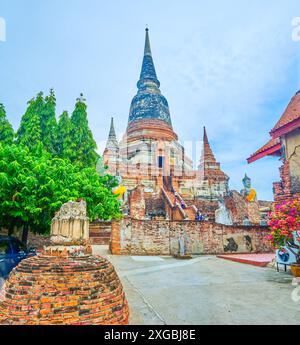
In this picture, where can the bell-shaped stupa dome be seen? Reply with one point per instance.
(149, 103)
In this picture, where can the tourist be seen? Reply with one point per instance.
(199, 217)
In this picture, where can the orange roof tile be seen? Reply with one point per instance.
(270, 148)
(207, 154)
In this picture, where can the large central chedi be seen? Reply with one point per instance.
(159, 177)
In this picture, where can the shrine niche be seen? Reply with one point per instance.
(159, 180)
(248, 192)
(285, 145)
(65, 284)
(70, 224)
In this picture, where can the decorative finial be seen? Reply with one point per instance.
(246, 178)
(147, 27)
(112, 132)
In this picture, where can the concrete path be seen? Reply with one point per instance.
(261, 260)
(1, 283)
(205, 290)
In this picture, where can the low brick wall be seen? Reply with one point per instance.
(38, 241)
(139, 237)
(34, 241)
(100, 232)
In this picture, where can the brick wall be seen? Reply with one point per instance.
(207, 207)
(34, 241)
(115, 239)
(139, 237)
(155, 207)
(63, 289)
(38, 241)
(100, 232)
(283, 190)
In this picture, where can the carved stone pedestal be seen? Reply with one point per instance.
(70, 225)
(65, 284)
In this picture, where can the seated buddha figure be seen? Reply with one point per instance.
(248, 193)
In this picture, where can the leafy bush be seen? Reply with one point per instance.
(34, 185)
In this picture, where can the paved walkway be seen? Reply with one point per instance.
(205, 290)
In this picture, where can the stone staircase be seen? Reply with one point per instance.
(100, 232)
(190, 211)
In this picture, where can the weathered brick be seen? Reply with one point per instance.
(80, 290)
(160, 237)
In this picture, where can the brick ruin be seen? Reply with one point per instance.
(160, 179)
(158, 237)
(283, 189)
(285, 144)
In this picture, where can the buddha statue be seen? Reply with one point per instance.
(247, 192)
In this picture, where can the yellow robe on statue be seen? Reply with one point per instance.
(251, 196)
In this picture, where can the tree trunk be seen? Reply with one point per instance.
(25, 234)
(11, 230)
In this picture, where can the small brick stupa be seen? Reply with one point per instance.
(65, 284)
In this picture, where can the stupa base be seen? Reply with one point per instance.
(182, 257)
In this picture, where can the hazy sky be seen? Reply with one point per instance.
(229, 65)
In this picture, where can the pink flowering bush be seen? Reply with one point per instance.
(284, 222)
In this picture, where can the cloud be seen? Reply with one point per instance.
(229, 83)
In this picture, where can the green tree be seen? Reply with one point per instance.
(6, 130)
(48, 123)
(35, 186)
(65, 146)
(85, 147)
(29, 132)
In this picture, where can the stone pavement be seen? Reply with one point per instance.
(205, 290)
(261, 260)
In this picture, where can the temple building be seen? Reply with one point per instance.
(285, 144)
(153, 166)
